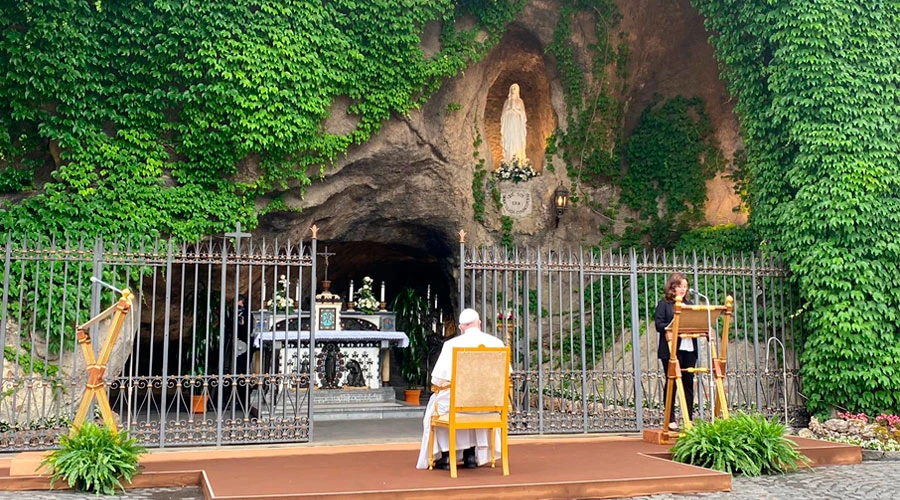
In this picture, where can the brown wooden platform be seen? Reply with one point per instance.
(561, 467)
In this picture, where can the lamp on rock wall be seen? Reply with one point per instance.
(561, 200)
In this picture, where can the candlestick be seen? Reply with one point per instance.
(382, 291)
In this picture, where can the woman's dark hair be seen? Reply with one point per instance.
(674, 280)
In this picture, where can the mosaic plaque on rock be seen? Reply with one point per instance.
(516, 202)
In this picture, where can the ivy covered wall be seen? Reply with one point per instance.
(818, 96)
(144, 111)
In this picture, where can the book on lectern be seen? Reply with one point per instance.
(697, 319)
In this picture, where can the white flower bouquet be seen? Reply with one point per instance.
(365, 299)
(281, 299)
(517, 170)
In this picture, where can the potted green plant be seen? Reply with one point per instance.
(413, 318)
(94, 459)
(201, 398)
(195, 367)
(748, 444)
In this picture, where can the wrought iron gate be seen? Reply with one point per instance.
(580, 325)
(187, 369)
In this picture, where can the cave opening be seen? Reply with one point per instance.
(426, 269)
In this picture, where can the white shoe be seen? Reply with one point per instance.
(673, 426)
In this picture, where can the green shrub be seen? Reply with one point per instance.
(743, 444)
(94, 459)
(721, 239)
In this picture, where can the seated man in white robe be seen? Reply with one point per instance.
(471, 444)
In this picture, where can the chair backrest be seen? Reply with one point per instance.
(480, 379)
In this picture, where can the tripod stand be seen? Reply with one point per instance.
(96, 387)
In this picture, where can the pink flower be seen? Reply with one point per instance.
(851, 416)
(888, 420)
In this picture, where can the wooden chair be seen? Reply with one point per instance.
(479, 399)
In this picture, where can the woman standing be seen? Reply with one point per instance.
(676, 286)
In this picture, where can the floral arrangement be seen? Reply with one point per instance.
(281, 299)
(517, 170)
(365, 300)
(507, 316)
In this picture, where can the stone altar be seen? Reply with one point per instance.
(343, 358)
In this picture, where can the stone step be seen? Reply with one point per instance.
(367, 411)
(343, 404)
(355, 396)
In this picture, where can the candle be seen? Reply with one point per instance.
(435, 301)
(351, 291)
(428, 293)
(382, 291)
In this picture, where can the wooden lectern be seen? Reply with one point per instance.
(694, 322)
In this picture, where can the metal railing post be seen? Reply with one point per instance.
(753, 277)
(636, 344)
(313, 325)
(584, 369)
(164, 407)
(7, 263)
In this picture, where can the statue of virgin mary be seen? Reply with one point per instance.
(512, 126)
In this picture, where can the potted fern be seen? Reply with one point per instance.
(743, 444)
(413, 318)
(94, 459)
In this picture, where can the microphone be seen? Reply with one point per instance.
(94, 279)
(691, 290)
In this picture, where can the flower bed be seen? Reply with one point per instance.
(879, 439)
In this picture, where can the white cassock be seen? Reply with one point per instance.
(467, 438)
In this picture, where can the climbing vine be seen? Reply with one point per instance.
(169, 118)
(666, 160)
(818, 95)
(482, 184)
(671, 154)
(147, 109)
(588, 146)
(478, 180)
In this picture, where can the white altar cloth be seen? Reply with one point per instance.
(399, 338)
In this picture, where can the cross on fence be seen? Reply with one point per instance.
(238, 235)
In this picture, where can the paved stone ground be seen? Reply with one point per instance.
(869, 480)
(192, 493)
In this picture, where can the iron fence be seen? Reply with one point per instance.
(580, 325)
(185, 370)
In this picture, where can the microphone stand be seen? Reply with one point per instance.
(709, 360)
